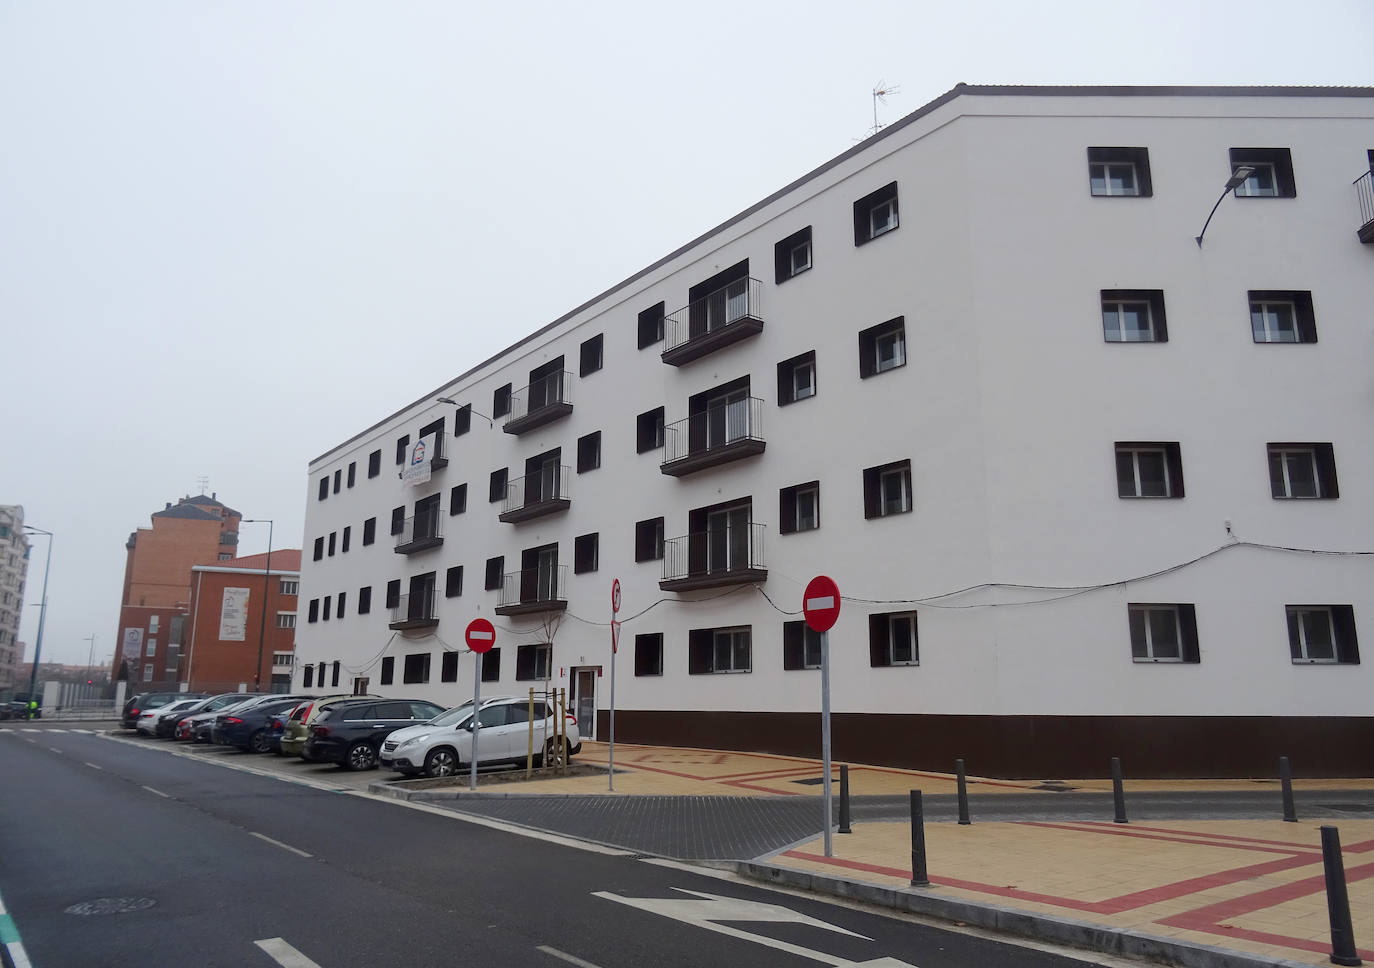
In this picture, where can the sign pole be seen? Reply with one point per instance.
(615, 645)
(825, 737)
(476, 720)
(821, 607)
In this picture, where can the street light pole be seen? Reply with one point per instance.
(266, 586)
(42, 610)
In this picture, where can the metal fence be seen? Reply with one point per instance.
(714, 427)
(715, 551)
(533, 585)
(549, 484)
(420, 527)
(541, 393)
(1364, 191)
(741, 299)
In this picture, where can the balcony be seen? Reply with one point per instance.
(543, 401)
(414, 611)
(533, 590)
(713, 322)
(536, 495)
(420, 532)
(282, 661)
(228, 538)
(1364, 190)
(713, 559)
(716, 435)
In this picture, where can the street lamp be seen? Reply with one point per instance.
(42, 609)
(453, 402)
(266, 586)
(1235, 181)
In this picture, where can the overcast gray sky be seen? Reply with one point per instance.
(233, 234)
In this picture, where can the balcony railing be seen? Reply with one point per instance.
(716, 435)
(533, 590)
(229, 538)
(1364, 190)
(536, 495)
(713, 322)
(713, 558)
(543, 401)
(414, 611)
(419, 532)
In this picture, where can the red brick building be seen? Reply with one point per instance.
(225, 632)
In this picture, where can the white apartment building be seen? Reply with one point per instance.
(1089, 486)
(14, 566)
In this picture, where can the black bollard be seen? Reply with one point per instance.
(1290, 812)
(918, 842)
(844, 799)
(963, 793)
(1118, 792)
(1337, 900)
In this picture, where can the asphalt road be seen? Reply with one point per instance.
(217, 867)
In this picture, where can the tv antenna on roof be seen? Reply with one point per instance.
(203, 482)
(881, 91)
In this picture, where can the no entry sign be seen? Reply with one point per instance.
(821, 603)
(480, 635)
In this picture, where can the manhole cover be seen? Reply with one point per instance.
(110, 905)
(1054, 787)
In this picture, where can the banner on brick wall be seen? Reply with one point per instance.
(133, 646)
(233, 615)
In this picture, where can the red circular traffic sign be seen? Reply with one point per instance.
(615, 596)
(480, 635)
(821, 603)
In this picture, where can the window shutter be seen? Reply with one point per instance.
(1157, 317)
(641, 659)
(698, 652)
(877, 641)
(1136, 621)
(1307, 320)
(1175, 458)
(524, 662)
(1276, 474)
(398, 519)
(388, 670)
(491, 664)
(1326, 471)
(787, 510)
(1347, 647)
(872, 500)
(1294, 646)
(793, 645)
(1187, 626)
(393, 593)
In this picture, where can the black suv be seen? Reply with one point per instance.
(351, 733)
(145, 701)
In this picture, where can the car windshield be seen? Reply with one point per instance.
(452, 716)
(182, 704)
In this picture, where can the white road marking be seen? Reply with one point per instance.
(827, 601)
(56, 730)
(18, 955)
(570, 959)
(55, 750)
(285, 955)
(278, 843)
(94, 767)
(164, 796)
(30, 729)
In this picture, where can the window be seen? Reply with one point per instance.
(286, 620)
(887, 489)
(1322, 634)
(797, 378)
(343, 546)
(319, 548)
(324, 487)
(719, 651)
(1133, 316)
(1151, 469)
(462, 420)
(388, 670)
(448, 670)
(892, 639)
(334, 678)
(151, 648)
(416, 668)
(589, 452)
(500, 401)
(402, 445)
(453, 582)
(393, 593)
(327, 600)
(1282, 316)
(649, 540)
(398, 519)
(1302, 471)
(288, 586)
(491, 664)
(339, 603)
(882, 347)
(1163, 633)
(333, 535)
(496, 489)
(1119, 172)
(651, 326)
(457, 499)
(533, 661)
(801, 646)
(365, 600)
(1271, 175)
(369, 531)
(313, 612)
(352, 472)
(153, 624)
(875, 214)
(309, 679)
(589, 356)
(799, 508)
(338, 480)
(494, 568)
(374, 464)
(148, 672)
(586, 551)
(649, 654)
(649, 430)
(792, 256)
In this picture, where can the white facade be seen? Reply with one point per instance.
(1009, 404)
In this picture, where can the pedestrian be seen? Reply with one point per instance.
(33, 709)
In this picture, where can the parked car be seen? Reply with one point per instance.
(218, 723)
(276, 726)
(295, 734)
(351, 733)
(443, 746)
(197, 728)
(19, 709)
(136, 705)
(247, 727)
(149, 718)
(167, 724)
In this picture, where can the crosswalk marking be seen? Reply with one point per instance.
(285, 955)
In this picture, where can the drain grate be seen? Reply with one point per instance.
(1053, 786)
(110, 905)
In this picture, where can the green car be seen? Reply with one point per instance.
(297, 729)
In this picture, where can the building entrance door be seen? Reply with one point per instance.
(584, 701)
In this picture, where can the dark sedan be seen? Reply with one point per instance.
(167, 725)
(250, 728)
(351, 733)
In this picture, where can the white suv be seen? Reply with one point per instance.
(443, 746)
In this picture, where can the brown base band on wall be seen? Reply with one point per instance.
(1029, 747)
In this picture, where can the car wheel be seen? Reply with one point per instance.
(360, 756)
(551, 753)
(259, 741)
(441, 762)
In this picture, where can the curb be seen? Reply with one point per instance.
(1022, 924)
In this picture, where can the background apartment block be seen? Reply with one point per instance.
(225, 623)
(14, 566)
(1090, 486)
